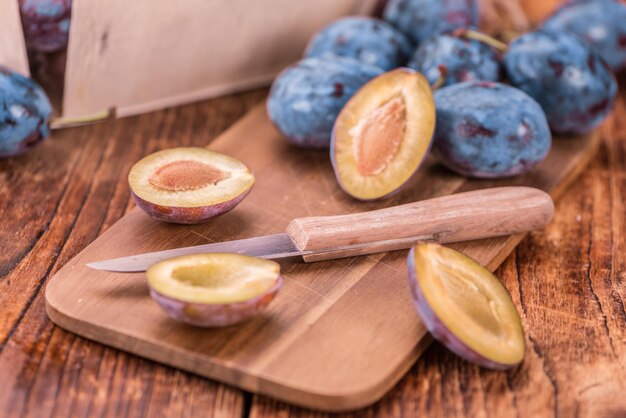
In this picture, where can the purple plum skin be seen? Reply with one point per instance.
(186, 215)
(46, 24)
(489, 130)
(369, 40)
(437, 328)
(215, 315)
(306, 97)
(24, 113)
(464, 59)
(602, 23)
(421, 19)
(568, 78)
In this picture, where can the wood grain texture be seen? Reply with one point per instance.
(150, 54)
(568, 283)
(477, 214)
(53, 202)
(12, 46)
(329, 340)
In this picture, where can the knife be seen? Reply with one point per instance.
(459, 217)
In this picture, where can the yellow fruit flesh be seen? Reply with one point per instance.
(213, 278)
(383, 134)
(189, 177)
(471, 302)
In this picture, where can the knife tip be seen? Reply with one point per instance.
(108, 266)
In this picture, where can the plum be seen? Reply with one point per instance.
(306, 97)
(464, 59)
(602, 23)
(383, 134)
(214, 290)
(420, 19)
(46, 24)
(465, 307)
(24, 113)
(367, 39)
(489, 130)
(188, 185)
(572, 83)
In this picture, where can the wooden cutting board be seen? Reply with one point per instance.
(340, 333)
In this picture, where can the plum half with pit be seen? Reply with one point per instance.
(568, 78)
(602, 23)
(306, 97)
(465, 307)
(214, 290)
(24, 113)
(367, 39)
(463, 59)
(420, 19)
(383, 134)
(188, 185)
(46, 24)
(489, 130)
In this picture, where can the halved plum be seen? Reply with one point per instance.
(213, 290)
(465, 307)
(188, 185)
(383, 134)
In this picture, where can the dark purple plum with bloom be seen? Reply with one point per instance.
(602, 23)
(24, 113)
(569, 79)
(306, 97)
(46, 24)
(367, 39)
(489, 130)
(420, 19)
(464, 59)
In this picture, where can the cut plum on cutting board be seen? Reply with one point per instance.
(465, 307)
(383, 134)
(188, 185)
(211, 290)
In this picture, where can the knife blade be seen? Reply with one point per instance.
(458, 217)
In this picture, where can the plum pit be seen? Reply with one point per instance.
(186, 175)
(377, 137)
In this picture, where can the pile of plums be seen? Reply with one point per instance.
(25, 109)
(495, 104)
(24, 113)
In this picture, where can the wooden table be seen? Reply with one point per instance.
(568, 282)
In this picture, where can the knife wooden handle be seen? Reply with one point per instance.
(458, 217)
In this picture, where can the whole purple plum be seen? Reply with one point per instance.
(46, 24)
(602, 23)
(569, 79)
(367, 39)
(464, 59)
(420, 19)
(306, 97)
(24, 113)
(489, 130)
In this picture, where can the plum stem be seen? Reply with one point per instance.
(481, 37)
(443, 75)
(62, 122)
